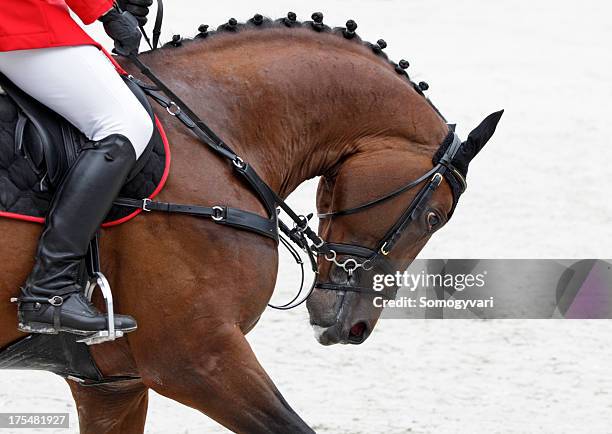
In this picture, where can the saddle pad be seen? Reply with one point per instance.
(22, 198)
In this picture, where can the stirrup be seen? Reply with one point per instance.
(111, 334)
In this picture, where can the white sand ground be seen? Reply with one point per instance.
(538, 190)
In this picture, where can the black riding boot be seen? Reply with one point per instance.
(52, 300)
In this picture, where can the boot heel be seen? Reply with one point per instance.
(35, 327)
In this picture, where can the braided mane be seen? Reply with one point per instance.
(290, 21)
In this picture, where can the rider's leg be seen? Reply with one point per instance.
(81, 85)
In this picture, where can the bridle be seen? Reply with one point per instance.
(378, 257)
(301, 234)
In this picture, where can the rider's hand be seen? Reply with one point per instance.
(138, 8)
(123, 28)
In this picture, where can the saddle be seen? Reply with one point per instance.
(38, 147)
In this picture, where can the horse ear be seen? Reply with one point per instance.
(481, 134)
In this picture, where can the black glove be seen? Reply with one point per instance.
(138, 8)
(123, 28)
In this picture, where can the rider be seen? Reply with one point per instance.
(46, 53)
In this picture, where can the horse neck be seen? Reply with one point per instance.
(295, 103)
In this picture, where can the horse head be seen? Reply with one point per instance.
(368, 243)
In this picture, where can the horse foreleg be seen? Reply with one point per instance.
(222, 378)
(119, 408)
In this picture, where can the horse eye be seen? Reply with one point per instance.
(433, 220)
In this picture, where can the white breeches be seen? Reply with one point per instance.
(81, 84)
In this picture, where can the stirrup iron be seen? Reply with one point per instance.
(111, 334)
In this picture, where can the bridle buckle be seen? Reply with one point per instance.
(218, 213)
(173, 109)
(318, 243)
(239, 162)
(301, 225)
(437, 179)
(384, 250)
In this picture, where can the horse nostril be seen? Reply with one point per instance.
(358, 332)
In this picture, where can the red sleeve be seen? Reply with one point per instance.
(89, 10)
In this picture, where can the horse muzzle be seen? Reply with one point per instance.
(338, 333)
(341, 310)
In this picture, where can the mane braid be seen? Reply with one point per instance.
(290, 21)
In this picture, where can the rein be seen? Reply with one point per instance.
(159, 18)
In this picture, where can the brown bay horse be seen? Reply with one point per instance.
(295, 104)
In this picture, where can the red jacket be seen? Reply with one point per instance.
(27, 24)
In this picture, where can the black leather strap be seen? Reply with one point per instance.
(268, 197)
(380, 200)
(222, 215)
(348, 249)
(410, 214)
(159, 18)
(166, 103)
(360, 289)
